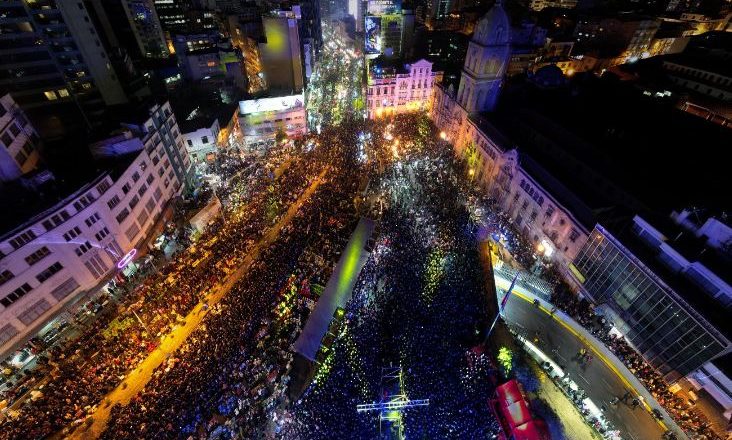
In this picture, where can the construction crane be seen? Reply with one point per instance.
(392, 403)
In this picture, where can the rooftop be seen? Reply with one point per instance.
(696, 297)
(608, 142)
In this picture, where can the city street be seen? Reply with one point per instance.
(598, 379)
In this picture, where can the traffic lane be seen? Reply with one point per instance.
(599, 382)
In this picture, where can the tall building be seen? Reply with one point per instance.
(666, 303)
(486, 62)
(281, 55)
(52, 53)
(65, 247)
(146, 28)
(388, 29)
(19, 149)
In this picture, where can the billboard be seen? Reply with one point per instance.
(372, 34)
(378, 7)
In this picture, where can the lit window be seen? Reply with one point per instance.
(50, 95)
(63, 93)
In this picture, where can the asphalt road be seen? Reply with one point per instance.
(599, 382)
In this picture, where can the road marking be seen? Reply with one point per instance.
(607, 361)
(583, 378)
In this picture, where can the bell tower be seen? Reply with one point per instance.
(486, 62)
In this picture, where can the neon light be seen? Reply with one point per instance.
(127, 259)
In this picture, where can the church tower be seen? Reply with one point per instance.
(486, 62)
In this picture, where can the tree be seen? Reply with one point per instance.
(280, 136)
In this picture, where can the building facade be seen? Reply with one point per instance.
(281, 55)
(51, 53)
(391, 91)
(656, 319)
(19, 149)
(203, 142)
(76, 245)
(261, 119)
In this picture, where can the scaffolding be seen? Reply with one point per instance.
(393, 402)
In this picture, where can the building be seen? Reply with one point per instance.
(19, 149)
(261, 119)
(388, 30)
(66, 247)
(281, 55)
(538, 5)
(52, 53)
(486, 62)
(701, 74)
(661, 301)
(146, 28)
(621, 39)
(202, 143)
(393, 90)
(206, 57)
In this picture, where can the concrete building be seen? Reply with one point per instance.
(281, 55)
(388, 30)
(261, 119)
(71, 246)
(51, 53)
(202, 143)
(146, 28)
(399, 89)
(621, 39)
(19, 149)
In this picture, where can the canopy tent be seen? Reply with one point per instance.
(516, 413)
(509, 393)
(533, 430)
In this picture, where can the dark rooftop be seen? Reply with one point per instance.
(618, 146)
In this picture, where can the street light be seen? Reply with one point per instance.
(443, 135)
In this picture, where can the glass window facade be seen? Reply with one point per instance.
(669, 334)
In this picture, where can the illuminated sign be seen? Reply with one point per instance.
(373, 34)
(127, 259)
(377, 7)
(270, 104)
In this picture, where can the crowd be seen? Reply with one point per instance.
(88, 367)
(689, 419)
(418, 304)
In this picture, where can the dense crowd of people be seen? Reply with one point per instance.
(690, 420)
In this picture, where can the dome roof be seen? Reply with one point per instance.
(494, 27)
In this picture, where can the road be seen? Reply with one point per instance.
(139, 377)
(599, 381)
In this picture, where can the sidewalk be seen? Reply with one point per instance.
(137, 379)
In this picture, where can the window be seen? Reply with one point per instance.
(72, 233)
(142, 190)
(134, 202)
(126, 188)
(49, 272)
(22, 239)
(573, 235)
(150, 179)
(84, 248)
(122, 215)
(92, 219)
(114, 201)
(132, 231)
(16, 294)
(157, 194)
(6, 276)
(103, 187)
(135, 176)
(20, 157)
(34, 312)
(190, 142)
(7, 139)
(14, 129)
(64, 289)
(150, 205)
(96, 266)
(63, 93)
(143, 165)
(101, 234)
(50, 95)
(37, 256)
(84, 201)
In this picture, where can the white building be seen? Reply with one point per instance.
(74, 246)
(202, 142)
(18, 152)
(261, 119)
(392, 91)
